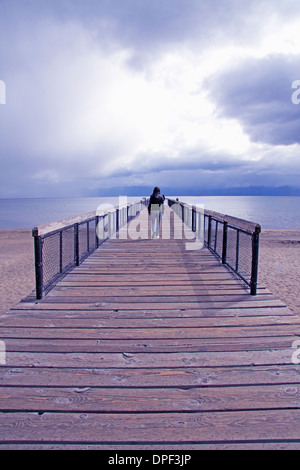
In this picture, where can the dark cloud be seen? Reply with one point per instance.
(188, 160)
(147, 26)
(80, 114)
(258, 94)
(141, 22)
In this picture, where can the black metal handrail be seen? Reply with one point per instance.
(234, 241)
(62, 245)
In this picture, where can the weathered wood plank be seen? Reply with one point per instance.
(145, 291)
(150, 377)
(86, 303)
(35, 319)
(171, 332)
(137, 446)
(108, 400)
(149, 360)
(94, 312)
(120, 281)
(260, 425)
(142, 345)
(153, 269)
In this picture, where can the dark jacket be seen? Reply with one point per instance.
(155, 199)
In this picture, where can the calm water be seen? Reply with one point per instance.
(271, 212)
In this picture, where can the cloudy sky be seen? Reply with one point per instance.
(107, 94)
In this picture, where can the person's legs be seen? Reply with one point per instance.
(155, 222)
(158, 223)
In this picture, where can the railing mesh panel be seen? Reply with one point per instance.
(245, 255)
(58, 251)
(83, 239)
(92, 235)
(51, 263)
(67, 247)
(240, 252)
(231, 247)
(219, 239)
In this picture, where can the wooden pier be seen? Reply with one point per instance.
(147, 345)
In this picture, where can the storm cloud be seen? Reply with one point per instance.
(258, 93)
(124, 93)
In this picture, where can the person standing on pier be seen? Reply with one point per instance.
(155, 209)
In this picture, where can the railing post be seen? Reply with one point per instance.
(96, 230)
(76, 244)
(193, 219)
(88, 236)
(216, 236)
(237, 251)
(224, 248)
(38, 255)
(254, 265)
(117, 220)
(209, 231)
(60, 251)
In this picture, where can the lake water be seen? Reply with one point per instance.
(271, 212)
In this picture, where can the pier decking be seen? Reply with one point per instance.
(147, 345)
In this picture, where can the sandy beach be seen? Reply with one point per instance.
(16, 267)
(279, 266)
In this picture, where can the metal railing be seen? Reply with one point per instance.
(234, 241)
(62, 245)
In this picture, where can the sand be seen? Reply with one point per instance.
(16, 267)
(279, 266)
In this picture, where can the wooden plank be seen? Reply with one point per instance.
(142, 345)
(258, 425)
(106, 281)
(148, 257)
(171, 332)
(94, 312)
(85, 303)
(146, 291)
(149, 360)
(60, 311)
(35, 319)
(223, 282)
(136, 447)
(121, 255)
(215, 277)
(153, 269)
(108, 400)
(285, 374)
